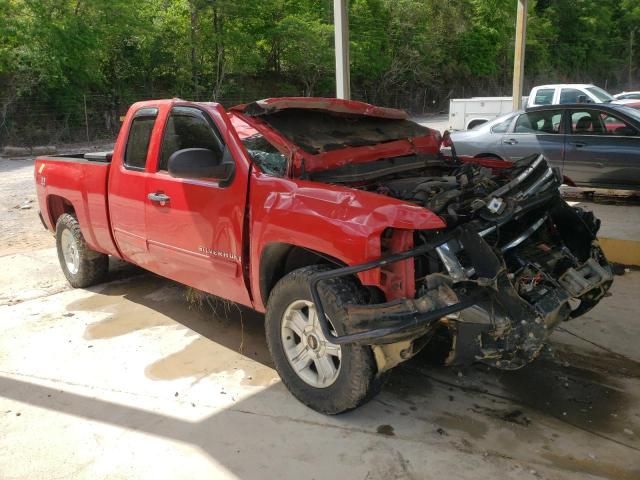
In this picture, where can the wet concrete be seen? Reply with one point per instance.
(132, 380)
(142, 383)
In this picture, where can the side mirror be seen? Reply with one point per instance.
(201, 163)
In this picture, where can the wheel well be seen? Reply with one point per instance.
(488, 155)
(56, 206)
(279, 259)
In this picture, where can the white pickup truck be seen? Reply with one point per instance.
(466, 113)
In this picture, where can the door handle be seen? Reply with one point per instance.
(578, 144)
(511, 141)
(160, 198)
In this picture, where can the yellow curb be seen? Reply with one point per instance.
(626, 252)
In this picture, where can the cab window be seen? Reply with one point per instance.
(570, 95)
(187, 127)
(544, 96)
(135, 155)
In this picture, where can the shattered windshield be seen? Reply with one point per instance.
(265, 155)
(317, 131)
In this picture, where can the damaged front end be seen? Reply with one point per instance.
(514, 262)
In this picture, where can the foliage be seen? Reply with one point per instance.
(409, 53)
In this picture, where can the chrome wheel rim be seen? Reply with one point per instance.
(314, 359)
(70, 252)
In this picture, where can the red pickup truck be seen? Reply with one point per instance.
(341, 221)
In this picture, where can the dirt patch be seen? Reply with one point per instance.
(21, 227)
(386, 430)
(463, 423)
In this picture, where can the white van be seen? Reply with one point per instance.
(567, 93)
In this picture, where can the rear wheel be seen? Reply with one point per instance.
(327, 377)
(82, 266)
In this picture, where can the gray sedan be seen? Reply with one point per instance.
(594, 145)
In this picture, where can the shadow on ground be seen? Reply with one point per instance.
(523, 415)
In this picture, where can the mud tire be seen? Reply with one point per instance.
(92, 266)
(358, 380)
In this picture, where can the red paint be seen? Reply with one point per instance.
(398, 279)
(212, 237)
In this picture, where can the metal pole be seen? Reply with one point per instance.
(631, 35)
(518, 58)
(341, 26)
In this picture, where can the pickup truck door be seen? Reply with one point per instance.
(127, 183)
(195, 226)
(602, 149)
(535, 132)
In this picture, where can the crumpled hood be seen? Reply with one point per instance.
(324, 133)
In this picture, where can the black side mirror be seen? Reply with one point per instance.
(201, 163)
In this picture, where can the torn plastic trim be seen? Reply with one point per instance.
(524, 235)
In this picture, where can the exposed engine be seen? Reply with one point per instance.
(513, 239)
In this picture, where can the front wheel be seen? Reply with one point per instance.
(82, 266)
(327, 377)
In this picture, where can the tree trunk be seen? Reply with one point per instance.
(194, 67)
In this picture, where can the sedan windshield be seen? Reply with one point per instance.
(600, 94)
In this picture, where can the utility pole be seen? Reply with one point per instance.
(518, 58)
(341, 26)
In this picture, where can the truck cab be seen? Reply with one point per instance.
(566, 93)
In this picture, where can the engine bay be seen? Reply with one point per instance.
(509, 236)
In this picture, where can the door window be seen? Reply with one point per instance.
(187, 127)
(587, 122)
(615, 126)
(546, 121)
(135, 156)
(544, 96)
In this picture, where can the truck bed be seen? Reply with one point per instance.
(77, 184)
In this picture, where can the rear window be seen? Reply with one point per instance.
(502, 127)
(544, 96)
(545, 121)
(320, 131)
(135, 156)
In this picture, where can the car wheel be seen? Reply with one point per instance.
(327, 377)
(82, 266)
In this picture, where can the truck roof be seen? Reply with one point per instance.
(570, 85)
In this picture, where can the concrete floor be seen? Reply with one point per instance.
(128, 380)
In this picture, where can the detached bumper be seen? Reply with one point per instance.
(492, 323)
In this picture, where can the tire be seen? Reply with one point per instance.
(355, 379)
(82, 266)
